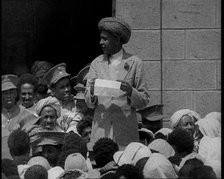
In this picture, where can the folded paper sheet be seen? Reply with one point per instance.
(107, 88)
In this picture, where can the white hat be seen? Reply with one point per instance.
(163, 147)
(75, 161)
(132, 154)
(55, 172)
(158, 166)
(38, 160)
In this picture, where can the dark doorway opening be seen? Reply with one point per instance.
(52, 30)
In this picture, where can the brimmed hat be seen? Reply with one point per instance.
(9, 81)
(152, 113)
(55, 74)
(75, 161)
(132, 154)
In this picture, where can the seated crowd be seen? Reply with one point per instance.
(45, 135)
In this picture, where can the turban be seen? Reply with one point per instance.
(175, 118)
(117, 27)
(49, 101)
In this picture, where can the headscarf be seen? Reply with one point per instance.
(175, 118)
(163, 147)
(157, 166)
(216, 115)
(49, 101)
(209, 127)
(117, 27)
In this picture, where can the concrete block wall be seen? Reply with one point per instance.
(179, 42)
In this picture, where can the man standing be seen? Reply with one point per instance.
(115, 117)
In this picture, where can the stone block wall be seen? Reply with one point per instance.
(179, 42)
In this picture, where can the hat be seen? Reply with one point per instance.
(49, 101)
(175, 118)
(117, 27)
(164, 131)
(55, 172)
(80, 87)
(75, 161)
(163, 147)
(148, 133)
(55, 74)
(38, 160)
(152, 113)
(81, 77)
(158, 166)
(132, 154)
(9, 81)
(22, 170)
(50, 138)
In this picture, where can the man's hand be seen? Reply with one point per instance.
(125, 86)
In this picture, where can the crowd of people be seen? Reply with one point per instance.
(56, 126)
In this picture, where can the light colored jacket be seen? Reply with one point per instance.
(116, 117)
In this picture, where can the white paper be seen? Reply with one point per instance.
(107, 88)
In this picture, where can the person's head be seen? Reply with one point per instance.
(84, 128)
(59, 82)
(48, 111)
(19, 143)
(181, 141)
(129, 171)
(39, 69)
(103, 151)
(51, 153)
(188, 166)
(201, 172)
(185, 119)
(36, 172)
(114, 33)
(27, 89)
(9, 90)
(9, 167)
(74, 142)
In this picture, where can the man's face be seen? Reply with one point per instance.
(109, 44)
(86, 134)
(49, 117)
(51, 153)
(27, 95)
(9, 98)
(62, 89)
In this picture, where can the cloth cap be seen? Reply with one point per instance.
(49, 101)
(55, 74)
(209, 127)
(55, 172)
(9, 81)
(117, 27)
(75, 161)
(152, 113)
(158, 166)
(216, 115)
(175, 118)
(40, 68)
(132, 154)
(38, 160)
(163, 147)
